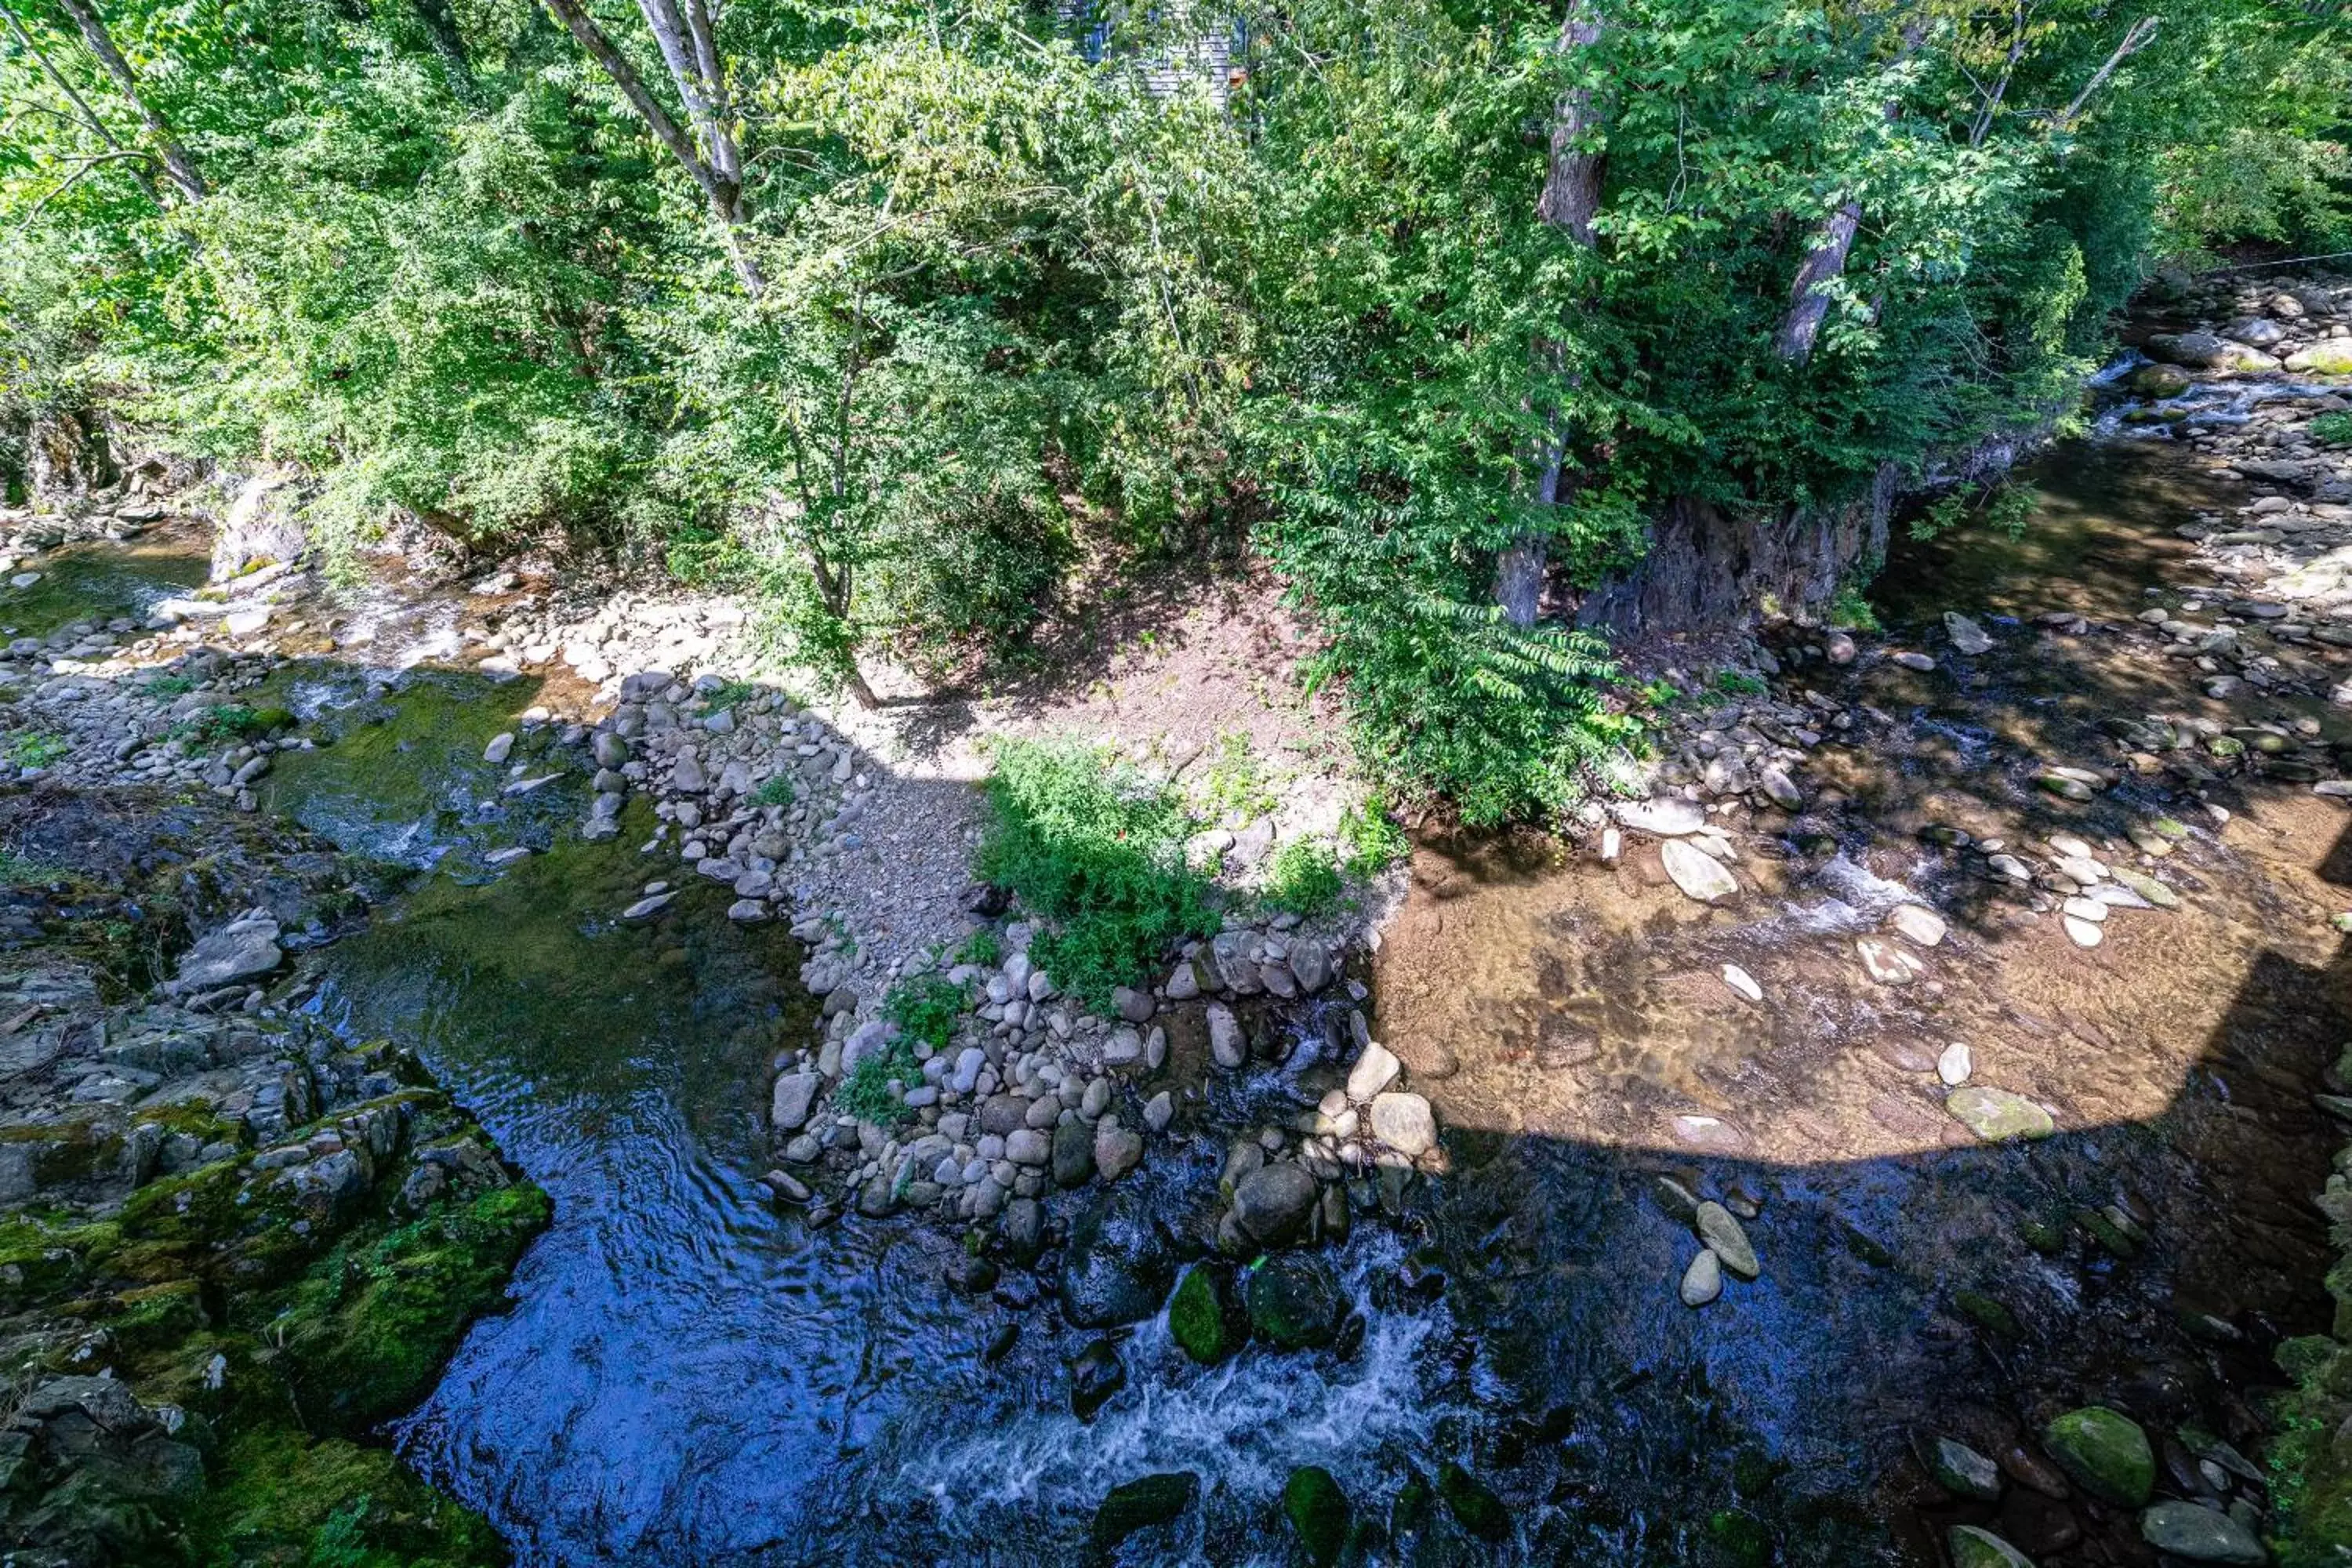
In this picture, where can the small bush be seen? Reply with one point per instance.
(1097, 850)
(925, 1008)
(984, 949)
(867, 1094)
(1370, 840)
(777, 791)
(37, 748)
(226, 722)
(1738, 683)
(1235, 784)
(170, 686)
(2332, 429)
(1849, 609)
(729, 695)
(1302, 877)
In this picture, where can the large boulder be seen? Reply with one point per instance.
(1117, 1269)
(2106, 1452)
(1294, 1302)
(1319, 1511)
(2333, 357)
(264, 525)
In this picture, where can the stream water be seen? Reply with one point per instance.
(690, 1376)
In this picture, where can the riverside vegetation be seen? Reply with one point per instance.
(774, 355)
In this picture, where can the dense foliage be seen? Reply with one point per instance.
(921, 318)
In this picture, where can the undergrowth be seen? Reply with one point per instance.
(1097, 850)
(1304, 879)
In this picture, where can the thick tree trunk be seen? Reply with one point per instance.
(177, 161)
(1809, 298)
(1569, 201)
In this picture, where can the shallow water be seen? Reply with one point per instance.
(102, 582)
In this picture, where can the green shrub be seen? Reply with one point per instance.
(1097, 851)
(1236, 787)
(1849, 609)
(729, 694)
(1738, 683)
(2332, 429)
(170, 686)
(777, 791)
(925, 1008)
(867, 1094)
(1302, 877)
(37, 748)
(984, 949)
(228, 721)
(1369, 839)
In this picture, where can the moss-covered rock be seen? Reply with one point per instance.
(1472, 1503)
(2106, 1452)
(1207, 1315)
(1319, 1511)
(1141, 1503)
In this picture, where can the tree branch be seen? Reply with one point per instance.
(2141, 33)
(177, 161)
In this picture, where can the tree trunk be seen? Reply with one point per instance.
(723, 194)
(1569, 201)
(177, 161)
(440, 26)
(1809, 298)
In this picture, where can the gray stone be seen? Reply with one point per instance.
(794, 1094)
(1225, 1041)
(1724, 1237)
(1027, 1146)
(1118, 1150)
(1961, 1469)
(1273, 1202)
(245, 948)
(1310, 964)
(1134, 1007)
(1405, 1122)
(2106, 1452)
(500, 748)
(1666, 817)
(1374, 1072)
(1966, 635)
(2201, 1534)
(1703, 1280)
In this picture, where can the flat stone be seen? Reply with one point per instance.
(1721, 1232)
(2146, 887)
(1886, 964)
(1961, 1469)
(1966, 635)
(1707, 1135)
(1921, 662)
(646, 909)
(1225, 1041)
(1954, 1064)
(1134, 1007)
(1698, 874)
(500, 748)
(1405, 1123)
(241, 950)
(1666, 816)
(2080, 931)
(1917, 924)
(1996, 1115)
(2089, 909)
(1703, 1280)
(1740, 980)
(1374, 1072)
(2201, 1534)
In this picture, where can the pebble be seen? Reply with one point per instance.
(1997, 1115)
(1374, 1072)
(1405, 1123)
(2201, 1534)
(1726, 1239)
(2080, 931)
(1703, 1280)
(1740, 980)
(1954, 1064)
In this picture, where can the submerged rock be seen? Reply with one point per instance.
(1319, 1511)
(1142, 1503)
(1472, 1503)
(1097, 1374)
(1703, 1280)
(1724, 1237)
(1961, 1469)
(1973, 1547)
(1273, 1203)
(1294, 1302)
(1699, 875)
(1116, 1270)
(1996, 1115)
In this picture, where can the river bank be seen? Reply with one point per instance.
(1772, 1170)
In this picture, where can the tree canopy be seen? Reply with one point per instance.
(902, 312)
